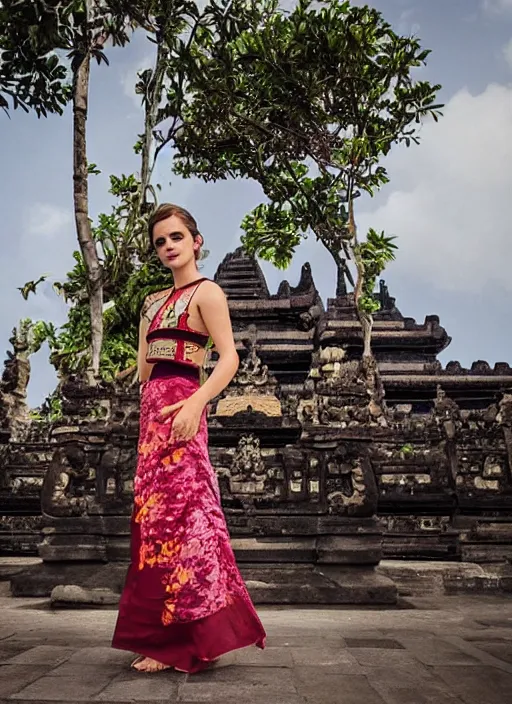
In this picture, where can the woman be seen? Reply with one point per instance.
(184, 603)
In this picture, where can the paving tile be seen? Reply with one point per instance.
(64, 689)
(435, 651)
(197, 691)
(251, 693)
(321, 656)
(486, 637)
(500, 650)
(280, 678)
(14, 678)
(505, 622)
(478, 685)
(418, 696)
(6, 633)
(334, 689)
(399, 677)
(101, 655)
(6, 652)
(384, 643)
(377, 657)
(311, 641)
(25, 642)
(270, 657)
(50, 655)
(76, 669)
(141, 687)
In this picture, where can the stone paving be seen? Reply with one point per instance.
(453, 650)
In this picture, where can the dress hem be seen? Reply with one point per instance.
(204, 662)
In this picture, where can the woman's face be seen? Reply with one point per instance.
(173, 242)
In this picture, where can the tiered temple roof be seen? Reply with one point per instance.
(406, 351)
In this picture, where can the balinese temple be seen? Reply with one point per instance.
(327, 499)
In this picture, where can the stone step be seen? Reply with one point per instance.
(325, 584)
(242, 282)
(242, 295)
(277, 582)
(93, 584)
(417, 578)
(245, 270)
(238, 263)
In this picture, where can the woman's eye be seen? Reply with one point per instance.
(160, 242)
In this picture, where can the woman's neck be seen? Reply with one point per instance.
(186, 276)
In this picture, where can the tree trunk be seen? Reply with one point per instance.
(81, 203)
(369, 366)
(150, 119)
(342, 271)
(341, 282)
(365, 318)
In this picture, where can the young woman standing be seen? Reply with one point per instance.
(184, 603)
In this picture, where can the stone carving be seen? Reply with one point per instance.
(253, 389)
(68, 484)
(15, 378)
(350, 483)
(252, 373)
(304, 458)
(247, 473)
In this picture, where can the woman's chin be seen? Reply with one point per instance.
(170, 265)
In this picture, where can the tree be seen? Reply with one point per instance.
(76, 30)
(307, 104)
(129, 271)
(55, 32)
(31, 74)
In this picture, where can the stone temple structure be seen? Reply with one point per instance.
(317, 486)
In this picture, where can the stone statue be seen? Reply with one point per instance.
(14, 412)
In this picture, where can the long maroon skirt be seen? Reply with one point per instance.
(184, 602)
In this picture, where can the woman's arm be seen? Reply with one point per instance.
(143, 368)
(213, 308)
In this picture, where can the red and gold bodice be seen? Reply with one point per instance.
(169, 337)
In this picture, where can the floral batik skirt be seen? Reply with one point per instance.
(184, 602)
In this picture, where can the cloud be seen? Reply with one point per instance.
(451, 206)
(497, 6)
(129, 76)
(507, 52)
(407, 24)
(46, 220)
(47, 239)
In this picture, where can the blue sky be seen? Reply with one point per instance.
(449, 201)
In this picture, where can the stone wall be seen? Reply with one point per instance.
(311, 473)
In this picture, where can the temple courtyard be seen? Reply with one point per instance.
(435, 650)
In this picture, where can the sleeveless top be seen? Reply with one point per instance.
(169, 337)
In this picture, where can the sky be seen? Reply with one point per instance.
(449, 200)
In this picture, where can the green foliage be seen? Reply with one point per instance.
(130, 273)
(307, 103)
(41, 40)
(31, 286)
(374, 253)
(32, 75)
(50, 411)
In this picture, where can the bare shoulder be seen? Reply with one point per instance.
(210, 292)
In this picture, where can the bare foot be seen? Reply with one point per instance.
(142, 664)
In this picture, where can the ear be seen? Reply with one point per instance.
(198, 242)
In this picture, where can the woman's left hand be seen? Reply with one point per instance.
(187, 417)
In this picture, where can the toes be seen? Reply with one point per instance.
(149, 665)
